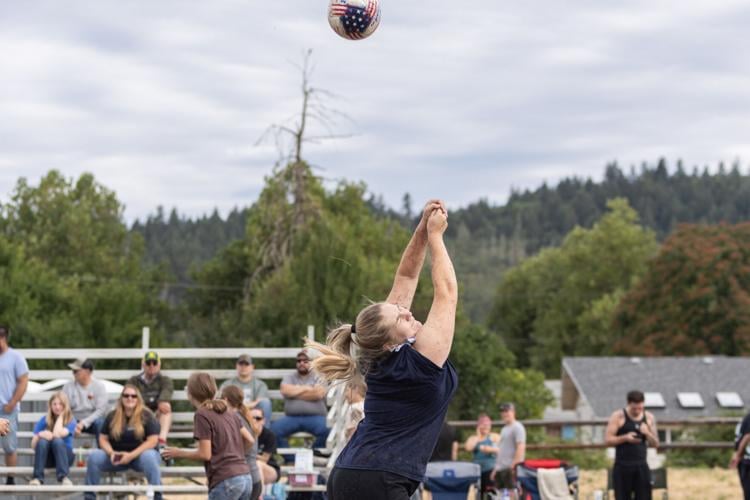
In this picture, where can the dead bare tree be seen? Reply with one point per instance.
(294, 172)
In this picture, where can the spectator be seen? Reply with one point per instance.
(53, 440)
(304, 405)
(156, 390)
(484, 447)
(235, 397)
(446, 448)
(220, 447)
(631, 430)
(88, 398)
(267, 465)
(14, 377)
(741, 456)
(512, 449)
(355, 396)
(128, 440)
(254, 389)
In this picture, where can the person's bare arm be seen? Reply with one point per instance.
(454, 451)
(650, 431)
(247, 438)
(519, 455)
(737, 455)
(435, 339)
(201, 453)
(471, 443)
(291, 390)
(22, 383)
(407, 275)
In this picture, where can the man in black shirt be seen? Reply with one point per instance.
(446, 448)
(741, 456)
(631, 431)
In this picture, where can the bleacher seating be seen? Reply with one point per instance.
(33, 408)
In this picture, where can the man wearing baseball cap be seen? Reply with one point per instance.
(156, 390)
(255, 390)
(512, 449)
(88, 398)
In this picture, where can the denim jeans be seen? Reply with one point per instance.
(52, 454)
(233, 488)
(147, 462)
(289, 424)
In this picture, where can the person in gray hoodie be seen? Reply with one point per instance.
(88, 398)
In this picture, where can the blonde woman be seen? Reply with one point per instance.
(128, 440)
(53, 440)
(409, 378)
(222, 442)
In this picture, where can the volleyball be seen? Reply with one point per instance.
(354, 19)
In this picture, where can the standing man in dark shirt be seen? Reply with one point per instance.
(741, 456)
(156, 390)
(446, 449)
(631, 431)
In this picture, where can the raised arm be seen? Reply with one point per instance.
(436, 336)
(412, 260)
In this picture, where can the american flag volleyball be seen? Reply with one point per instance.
(354, 19)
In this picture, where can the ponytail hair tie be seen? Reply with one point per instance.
(354, 330)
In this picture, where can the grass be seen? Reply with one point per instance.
(684, 484)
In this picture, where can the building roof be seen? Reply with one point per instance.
(603, 383)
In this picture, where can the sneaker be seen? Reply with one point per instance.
(33, 482)
(66, 481)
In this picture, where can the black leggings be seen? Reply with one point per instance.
(346, 484)
(257, 490)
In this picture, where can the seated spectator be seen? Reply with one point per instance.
(235, 398)
(53, 440)
(269, 468)
(355, 396)
(304, 405)
(483, 445)
(254, 389)
(88, 398)
(156, 390)
(128, 440)
(222, 442)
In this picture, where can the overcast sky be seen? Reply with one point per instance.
(163, 100)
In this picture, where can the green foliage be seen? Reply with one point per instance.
(706, 457)
(695, 297)
(72, 274)
(585, 459)
(561, 301)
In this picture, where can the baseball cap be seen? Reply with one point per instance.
(507, 406)
(151, 356)
(81, 363)
(245, 358)
(303, 354)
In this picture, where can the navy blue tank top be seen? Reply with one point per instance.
(406, 402)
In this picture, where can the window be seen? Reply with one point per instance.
(729, 400)
(654, 400)
(690, 399)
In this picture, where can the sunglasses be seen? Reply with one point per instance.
(258, 418)
(303, 361)
(243, 363)
(129, 396)
(151, 362)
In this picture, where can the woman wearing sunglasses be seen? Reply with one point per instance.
(222, 442)
(236, 399)
(128, 441)
(408, 376)
(53, 440)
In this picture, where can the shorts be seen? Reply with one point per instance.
(9, 442)
(346, 484)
